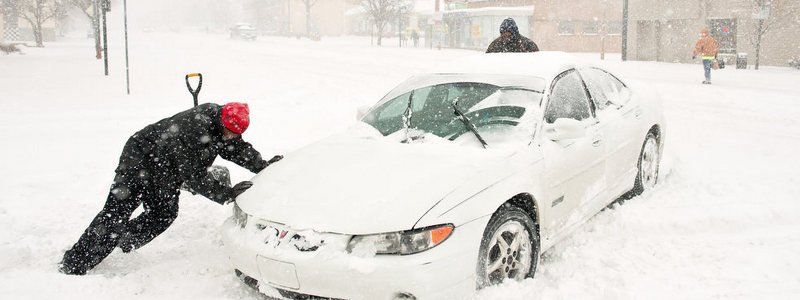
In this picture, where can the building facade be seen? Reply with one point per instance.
(569, 25)
(660, 30)
(13, 27)
(289, 17)
(9, 21)
(667, 31)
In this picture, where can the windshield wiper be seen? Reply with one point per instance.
(467, 122)
(407, 118)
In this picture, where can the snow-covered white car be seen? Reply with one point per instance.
(452, 182)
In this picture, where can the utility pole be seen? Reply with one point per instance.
(106, 8)
(127, 73)
(624, 30)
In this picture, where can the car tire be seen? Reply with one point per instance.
(648, 165)
(511, 224)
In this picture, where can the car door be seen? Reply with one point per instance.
(618, 117)
(574, 169)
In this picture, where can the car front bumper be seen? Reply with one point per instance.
(445, 271)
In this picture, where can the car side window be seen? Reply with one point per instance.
(605, 88)
(568, 99)
(598, 85)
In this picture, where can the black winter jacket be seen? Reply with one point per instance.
(517, 43)
(181, 148)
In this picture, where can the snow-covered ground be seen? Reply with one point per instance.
(724, 223)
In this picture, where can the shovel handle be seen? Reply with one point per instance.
(194, 91)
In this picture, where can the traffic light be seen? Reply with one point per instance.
(106, 5)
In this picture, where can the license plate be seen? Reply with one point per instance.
(278, 273)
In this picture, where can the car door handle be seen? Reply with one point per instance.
(597, 142)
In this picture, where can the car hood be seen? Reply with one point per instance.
(358, 185)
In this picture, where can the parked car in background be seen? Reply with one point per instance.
(454, 181)
(795, 62)
(243, 31)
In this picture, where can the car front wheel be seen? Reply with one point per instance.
(649, 159)
(509, 248)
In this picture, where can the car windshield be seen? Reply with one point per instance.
(423, 109)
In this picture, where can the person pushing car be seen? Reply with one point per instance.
(155, 162)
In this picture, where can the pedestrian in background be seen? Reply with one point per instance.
(707, 48)
(510, 40)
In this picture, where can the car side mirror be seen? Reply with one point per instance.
(565, 129)
(362, 111)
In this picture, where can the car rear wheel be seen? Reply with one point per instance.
(509, 249)
(649, 159)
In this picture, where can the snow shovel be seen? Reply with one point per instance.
(194, 92)
(220, 173)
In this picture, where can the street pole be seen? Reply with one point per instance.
(96, 29)
(399, 31)
(127, 73)
(289, 16)
(624, 30)
(105, 36)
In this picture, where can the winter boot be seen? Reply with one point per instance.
(70, 270)
(124, 243)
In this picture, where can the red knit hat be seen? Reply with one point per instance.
(236, 117)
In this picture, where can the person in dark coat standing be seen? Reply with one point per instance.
(510, 40)
(155, 162)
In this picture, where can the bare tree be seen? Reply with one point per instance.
(776, 12)
(87, 8)
(37, 12)
(381, 12)
(309, 4)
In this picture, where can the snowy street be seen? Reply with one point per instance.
(724, 222)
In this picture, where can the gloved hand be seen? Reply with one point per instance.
(274, 159)
(239, 188)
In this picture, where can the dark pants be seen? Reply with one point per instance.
(113, 226)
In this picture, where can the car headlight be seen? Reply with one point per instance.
(403, 242)
(239, 216)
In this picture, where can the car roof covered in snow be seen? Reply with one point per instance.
(544, 64)
(534, 71)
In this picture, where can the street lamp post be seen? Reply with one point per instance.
(624, 30)
(105, 9)
(127, 73)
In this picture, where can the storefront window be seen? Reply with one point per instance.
(566, 27)
(590, 28)
(611, 27)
